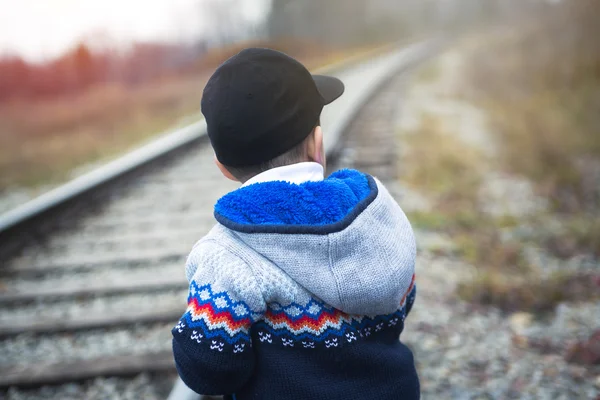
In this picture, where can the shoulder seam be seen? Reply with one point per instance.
(335, 277)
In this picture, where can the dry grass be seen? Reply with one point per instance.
(581, 235)
(442, 165)
(42, 142)
(543, 97)
(449, 172)
(512, 292)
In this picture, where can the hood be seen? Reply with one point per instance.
(344, 239)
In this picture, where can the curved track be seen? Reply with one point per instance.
(93, 288)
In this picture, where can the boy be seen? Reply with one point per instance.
(301, 289)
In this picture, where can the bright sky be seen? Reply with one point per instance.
(42, 29)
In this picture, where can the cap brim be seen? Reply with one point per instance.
(330, 88)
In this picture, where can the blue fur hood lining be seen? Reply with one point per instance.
(320, 207)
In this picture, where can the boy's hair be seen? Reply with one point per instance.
(296, 154)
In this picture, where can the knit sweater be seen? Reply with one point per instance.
(301, 292)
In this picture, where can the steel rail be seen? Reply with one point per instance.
(163, 145)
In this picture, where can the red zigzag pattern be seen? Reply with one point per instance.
(225, 319)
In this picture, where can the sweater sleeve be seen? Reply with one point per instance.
(211, 343)
(410, 301)
(410, 296)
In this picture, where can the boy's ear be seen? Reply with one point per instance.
(225, 171)
(316, 149)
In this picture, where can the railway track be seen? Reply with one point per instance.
(90, 288)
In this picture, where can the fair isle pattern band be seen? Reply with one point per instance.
(216, 318)
(318, 323)
(217, 315)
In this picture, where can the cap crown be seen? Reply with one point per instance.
(259, 104)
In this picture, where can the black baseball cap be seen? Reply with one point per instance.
(261, 103)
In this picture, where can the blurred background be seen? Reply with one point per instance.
(500, 138)
(82, 81)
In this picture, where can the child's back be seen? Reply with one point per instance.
(301, 289)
